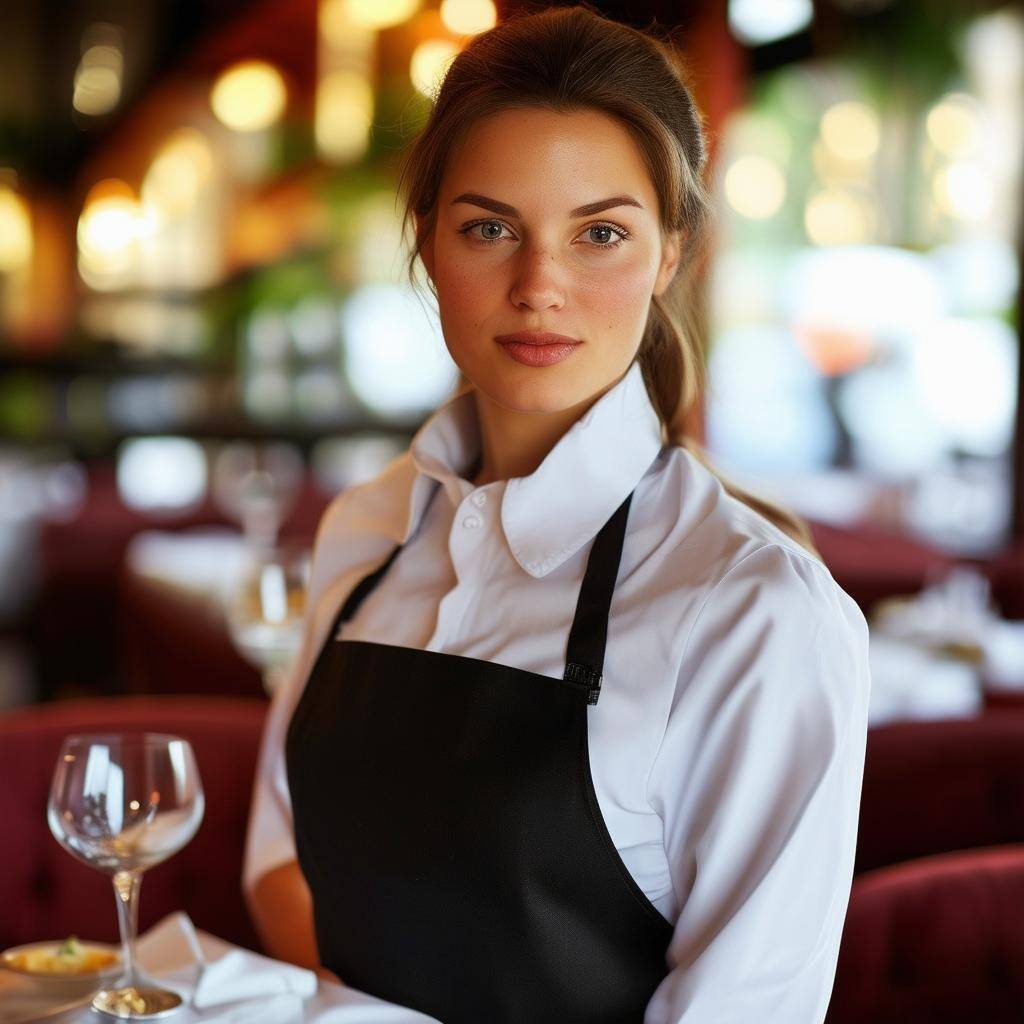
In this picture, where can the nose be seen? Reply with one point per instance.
(537, 283)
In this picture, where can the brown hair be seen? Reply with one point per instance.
(571, 58)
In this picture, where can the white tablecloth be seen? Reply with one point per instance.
(160, 953)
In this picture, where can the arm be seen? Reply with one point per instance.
(282, 911)
(278, 899)
(758, 782)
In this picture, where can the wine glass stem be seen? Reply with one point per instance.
(126, 890)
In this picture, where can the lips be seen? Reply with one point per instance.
(538, 348)
(536, 338)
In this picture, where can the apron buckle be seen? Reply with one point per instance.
(576, 673)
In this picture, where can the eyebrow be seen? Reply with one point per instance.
(495, 206)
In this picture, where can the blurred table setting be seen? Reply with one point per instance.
(209, 590)
(945, 651)
(220, 983)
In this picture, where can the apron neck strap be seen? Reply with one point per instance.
(589, 631)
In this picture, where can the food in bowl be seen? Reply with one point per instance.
(70, 958)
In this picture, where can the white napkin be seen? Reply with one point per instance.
(283, 1009)
(911, 682)
(227, 974)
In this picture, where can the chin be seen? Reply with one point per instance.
(536, 391)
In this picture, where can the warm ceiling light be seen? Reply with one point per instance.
(428, 64)
(100, 71)
(381, 13)
(851, 130)
(15, 230)
(108, 225)
(468, 17)
(249, 96)
(964, 190)
(344, 111)
(181, 169)
(836, 216)
(954, 124)
(755, 186)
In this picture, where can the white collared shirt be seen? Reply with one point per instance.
(727, 746)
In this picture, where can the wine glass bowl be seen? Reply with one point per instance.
(265, 611)
(122, 803)
(256, 486)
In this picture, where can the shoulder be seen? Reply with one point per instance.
(745, 584)
(360, 524)
(369, 505)
(702, 534)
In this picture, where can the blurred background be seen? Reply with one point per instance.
(206, 331)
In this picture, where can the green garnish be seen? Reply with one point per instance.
(70, 947)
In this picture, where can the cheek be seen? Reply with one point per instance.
(463, 284)
(613, 291)
(618, 294)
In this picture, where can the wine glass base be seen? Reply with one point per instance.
(144, 1003)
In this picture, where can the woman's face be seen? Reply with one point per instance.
(512, 252)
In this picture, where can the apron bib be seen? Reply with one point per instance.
(447, 825)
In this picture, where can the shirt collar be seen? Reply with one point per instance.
(550, 514)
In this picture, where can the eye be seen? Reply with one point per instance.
(609, 236)
(606, 241)
(487, 236)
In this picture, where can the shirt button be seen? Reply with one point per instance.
(471, 522)
(479, 499)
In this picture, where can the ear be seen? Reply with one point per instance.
(426, 249)
(670, 252)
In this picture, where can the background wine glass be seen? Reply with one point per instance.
(256, 486)
(123, 803)
(265, 611)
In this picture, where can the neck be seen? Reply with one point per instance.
(513, 443)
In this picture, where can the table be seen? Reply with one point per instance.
(163, 953)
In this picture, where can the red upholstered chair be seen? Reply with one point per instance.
(1006, 574)
(871, 562)
(46, 893)
(939, 940)
(171, 643)
(937, 786)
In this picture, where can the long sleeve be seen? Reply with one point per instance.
(338, 561)
(758, 782)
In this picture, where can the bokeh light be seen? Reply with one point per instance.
(344, 114)
(468, 17)
(161, 473)
(954, 125)
(15, 230)
(381, 13)
(429, 63)
(838, 216)
(249, 96)
(851, 130)
(755, 186)
(178, 173)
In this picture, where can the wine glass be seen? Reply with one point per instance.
(122, 803)
(256, 485)
(265, 611)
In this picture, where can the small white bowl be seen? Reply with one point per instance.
(68, 984)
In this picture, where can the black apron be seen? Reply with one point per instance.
(447, 825)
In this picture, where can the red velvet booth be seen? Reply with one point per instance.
(938, 940)
(172, 643)
(1006, 574)
(872, 563)
(937, 786)
(72, 631)
(45, 893)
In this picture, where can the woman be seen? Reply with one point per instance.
(578, 729)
